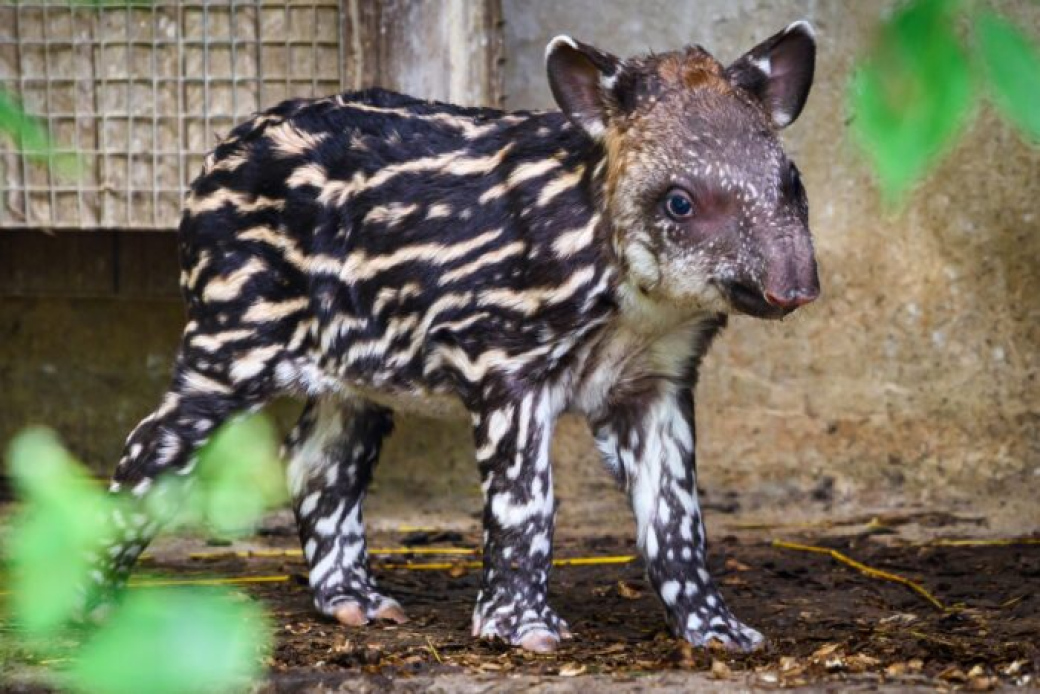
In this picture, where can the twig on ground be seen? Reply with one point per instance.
(864, 569)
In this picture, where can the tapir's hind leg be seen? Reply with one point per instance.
(203, 395)
(332, 452)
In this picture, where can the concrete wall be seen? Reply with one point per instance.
(912, 381)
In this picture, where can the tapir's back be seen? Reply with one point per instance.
(397, 226)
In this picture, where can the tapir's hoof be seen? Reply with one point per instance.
(353, 614)
(391, 612)
(731, 636)
(539, 641)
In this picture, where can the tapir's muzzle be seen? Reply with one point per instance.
(790, 280)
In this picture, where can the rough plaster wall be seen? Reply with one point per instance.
(915, 377)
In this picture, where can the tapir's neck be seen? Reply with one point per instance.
(586, 157)
(639, 309)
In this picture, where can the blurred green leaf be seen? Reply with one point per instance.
(912, 94)
(26, 132)
(29, 136)
(167, 641)
(61, 522)
(240, 476)
(1012, 64)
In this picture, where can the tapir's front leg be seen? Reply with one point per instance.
(649, 442)
(512, 435)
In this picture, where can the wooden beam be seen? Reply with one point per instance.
(89, 264)
(446, 50)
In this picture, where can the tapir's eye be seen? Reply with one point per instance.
(678, 205)
(793, 183)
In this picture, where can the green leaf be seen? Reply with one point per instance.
(62, 520)
(1012, 64)
(240, 475)
(29, 136)
(912, 94)
(168, 641)
(26, 132)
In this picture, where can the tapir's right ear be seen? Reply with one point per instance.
(581, 78)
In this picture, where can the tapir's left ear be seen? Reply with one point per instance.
(582, 79)
(779, 72)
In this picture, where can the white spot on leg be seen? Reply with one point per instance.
(694, 623)
(310, 502)
(540, 544)
(326, 526)
(651, 544)
(669, 592)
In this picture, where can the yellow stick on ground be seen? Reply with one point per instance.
(407, 566)
(229, 581)
(432, 566)
(269, 553)
(433, 649)
(864, 569)
(1002, 542)
(444, 566)
(593, 561)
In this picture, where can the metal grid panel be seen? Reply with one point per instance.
(142, 91)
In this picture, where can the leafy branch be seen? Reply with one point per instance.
(167, 640)
(917, 89)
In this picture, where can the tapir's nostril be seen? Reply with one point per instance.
(792, 299)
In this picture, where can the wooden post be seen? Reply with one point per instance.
(445, 50)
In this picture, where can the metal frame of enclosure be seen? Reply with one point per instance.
(141, 91)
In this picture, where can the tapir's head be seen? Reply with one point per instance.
(708, 210)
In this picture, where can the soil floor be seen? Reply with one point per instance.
(830, 625)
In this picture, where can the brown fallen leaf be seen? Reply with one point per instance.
(719, 670)
(572, 670)
(686, 655)
(736, 565)
(628, 591)
(825, 650)
(953, 674)
(458, 569)
(982, 684)
(896, 669)
(861, 662)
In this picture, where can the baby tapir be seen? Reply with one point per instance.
(372, 252)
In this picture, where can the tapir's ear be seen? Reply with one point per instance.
(581, 78)
(779, 72)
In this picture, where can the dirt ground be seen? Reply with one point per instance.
(830, 626)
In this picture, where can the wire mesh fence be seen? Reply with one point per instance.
(141, 91)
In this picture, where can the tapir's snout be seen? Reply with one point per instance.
(792, 279)
(794, 297)
(788, 279)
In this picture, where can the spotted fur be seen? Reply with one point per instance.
(373, 253)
